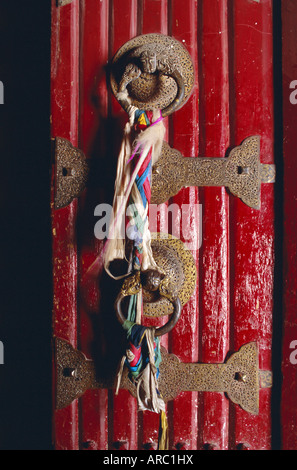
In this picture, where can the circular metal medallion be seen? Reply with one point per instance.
(178, 265)
(154, 90)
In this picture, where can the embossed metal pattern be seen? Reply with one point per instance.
(154, 90)
(131, 285)
(71, 172)
(268, 173)
(177, 267)
(177, 263)
(241, 172)
(238, 377)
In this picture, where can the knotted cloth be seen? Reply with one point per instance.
(140, 149)
(143, 357)
(132, 190)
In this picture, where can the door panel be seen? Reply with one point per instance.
(231, 47)
(64, 119)
(214, 287)
(183, 410)
(252, 232)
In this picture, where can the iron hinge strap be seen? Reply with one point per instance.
(239, 377)
(241, 172)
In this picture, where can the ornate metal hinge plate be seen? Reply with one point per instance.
(242, 173)
(239, 377)
(71, 172)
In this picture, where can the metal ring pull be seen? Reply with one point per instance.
(162, 330)
(151, 65)
(152, 71)
(153, 282)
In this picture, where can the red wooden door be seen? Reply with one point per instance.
(231, 46)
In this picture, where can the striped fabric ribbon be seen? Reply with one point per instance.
(137, 354)
(139, 200)
(143, 352)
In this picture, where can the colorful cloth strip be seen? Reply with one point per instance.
(137, 352)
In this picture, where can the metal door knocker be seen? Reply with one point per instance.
(154, 71)
(164, 293)
(151, 280)
(151, 77)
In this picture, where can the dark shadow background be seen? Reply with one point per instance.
(25, 235)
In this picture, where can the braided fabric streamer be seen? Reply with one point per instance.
(143, 357)
(132, 190)
(131, 207)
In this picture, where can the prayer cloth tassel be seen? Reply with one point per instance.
(132, 189)
(143, 358)
(163, 432)
(130, 207)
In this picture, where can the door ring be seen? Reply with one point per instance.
(162, 330)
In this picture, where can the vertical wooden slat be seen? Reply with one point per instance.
(214, 251)
(289, 209)
(184, 136)
(154, 16)
(252, 232)
(64, 117)
(94, 52)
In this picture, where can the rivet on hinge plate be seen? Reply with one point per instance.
(239, 377)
